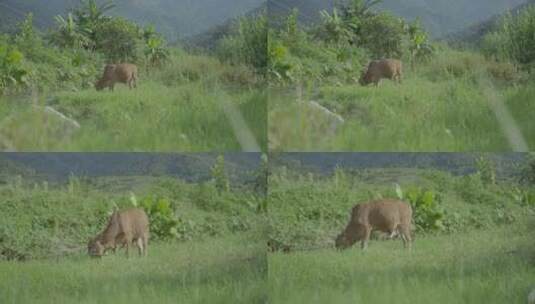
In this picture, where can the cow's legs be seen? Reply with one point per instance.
(128, 240)
(140, 246)
(366, 238)
(145, 239)
(393, 233)
(406, 236)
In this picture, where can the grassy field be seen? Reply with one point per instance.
(223, 270)
(472, 239)
(442, 105)
(178, 108)
(484, 266)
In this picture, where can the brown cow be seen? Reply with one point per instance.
(379, 69)
(124, 73)
(124, 228)
(387, 215)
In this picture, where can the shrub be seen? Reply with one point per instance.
(528, 172)
(12, 71)
(163, 222)
(118, 40)
(219, 175)
(515, 38)
(487, 170)
(383, 35)
(247, 43)
(428, 213)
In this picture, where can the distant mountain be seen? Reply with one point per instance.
(440, 17)
(175, 18)
(456, 163)
(210, 38)
(475, 33)
(189, 167)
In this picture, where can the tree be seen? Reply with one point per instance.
(219, 175)
(515, 38)
(419, 45)
(155, 50)
(12, 72)
(247, 44)
(69, 34)
(117, 39)
(90, 15)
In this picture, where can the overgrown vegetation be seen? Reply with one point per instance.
(247, 43)
(491, 265)
(337, 49)
(230, 269)
(442, 203)
(444, 91)
(514, 39)
(176, 107)
(42, 220)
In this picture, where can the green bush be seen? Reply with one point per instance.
(163, 222)
(336, 50)
(428, 213)
(514, 39)
(12, 71)
(308, 211)
(247, 44)
(383, 35)
(118, 39)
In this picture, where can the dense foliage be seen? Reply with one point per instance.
(308, 210)
(41, 220)
(246, 43)
(342, 43)
(514, 39)
(70, 56)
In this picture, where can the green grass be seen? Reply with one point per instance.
(152, 118)
(441, 106)
(224, 270)
(180, 107)
(484, 266)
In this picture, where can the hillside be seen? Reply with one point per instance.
(439, 17)
(474, 33)
(175, 18)
(190, 167)
(457, 163)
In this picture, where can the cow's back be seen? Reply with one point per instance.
(134, 222)
(387, 213)
(125, 71)
(388, 67)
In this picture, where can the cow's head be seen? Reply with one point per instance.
(95, 248)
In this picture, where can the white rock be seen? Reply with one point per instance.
(334, 120)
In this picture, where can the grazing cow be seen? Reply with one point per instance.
(124, 228)
(113, 73)
(389, 216)
(379, 69)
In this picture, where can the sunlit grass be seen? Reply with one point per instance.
(492, 266)
(440, 106)
(225, 270)
(154, 117)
